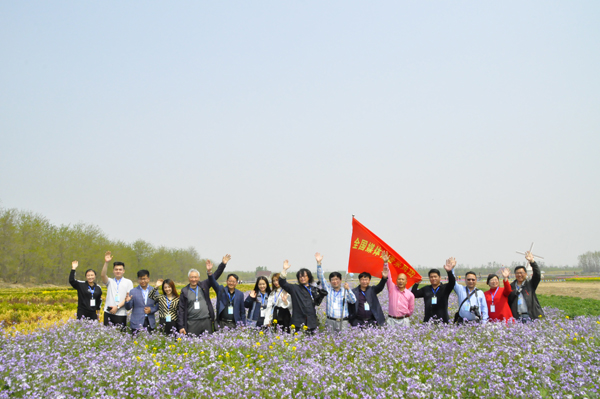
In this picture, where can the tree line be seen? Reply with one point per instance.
(590, 262)
(33, 250)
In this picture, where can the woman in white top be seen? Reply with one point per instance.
(279, 306)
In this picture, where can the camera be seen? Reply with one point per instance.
(318, 293)
(475, 310)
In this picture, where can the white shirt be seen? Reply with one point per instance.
(125, 285)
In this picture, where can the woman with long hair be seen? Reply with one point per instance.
(256, 303)
(167, 304)
(279, 306)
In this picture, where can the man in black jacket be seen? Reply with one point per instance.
(523, 300)
(366, 310)
(435, 296)
(195, 313)
(304, 316)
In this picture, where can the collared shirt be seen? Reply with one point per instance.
(521, 304)
(402, 303)
(121, 288)
(336, 306)
(476, 299)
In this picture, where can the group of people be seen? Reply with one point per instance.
(293, 306)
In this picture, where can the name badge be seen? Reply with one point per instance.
(434, 300)
(492, 308)
(519, 302)
(93, 303)
(168, 318)
(196, 305)
(367, 307)
(263, 311)
(117, 298)
(230, 310)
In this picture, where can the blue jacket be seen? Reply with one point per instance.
(137, 304)
(239, 313)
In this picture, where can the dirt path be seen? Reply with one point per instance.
(581, 290)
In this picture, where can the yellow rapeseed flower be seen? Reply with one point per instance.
(292, 326)
(274, 321)
(261, 333)
(135, 342)
(270, 346)
(305, 328)
(567, 317)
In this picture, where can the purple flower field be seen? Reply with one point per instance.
(555, 357)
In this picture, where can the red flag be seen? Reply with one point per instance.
(365, 256)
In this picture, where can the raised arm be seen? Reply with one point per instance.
(283, 277)
(154, 295)
(107, 258)
(417, 292)
(451, 283)
(249, 301)
(384, 278)
(507, 288)
(222, 266)
(537, 274)
(320, 274)
(212, 281)
(385, 256)
(72, 280)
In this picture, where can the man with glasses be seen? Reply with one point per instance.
(471, 301)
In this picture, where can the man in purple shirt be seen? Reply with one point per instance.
(402, 300)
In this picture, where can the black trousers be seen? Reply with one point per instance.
(169, 327)
(86, 314)
(146, 327)
(283, 317)
(115, 320)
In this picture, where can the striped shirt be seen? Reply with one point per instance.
(335, 299)
(165, 305)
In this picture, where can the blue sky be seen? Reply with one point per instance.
(258, 128)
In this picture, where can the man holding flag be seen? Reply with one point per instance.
(367, 310)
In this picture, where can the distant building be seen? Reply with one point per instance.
(264, 273)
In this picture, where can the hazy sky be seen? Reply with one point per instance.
(466, 129)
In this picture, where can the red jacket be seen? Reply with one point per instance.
(502, 309)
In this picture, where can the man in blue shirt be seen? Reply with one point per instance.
(473, 306)
(337, 298)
